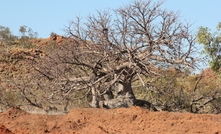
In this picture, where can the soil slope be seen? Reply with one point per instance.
(133, 120)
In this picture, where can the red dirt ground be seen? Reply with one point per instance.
(133, 120)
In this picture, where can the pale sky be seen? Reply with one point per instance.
(46, 16)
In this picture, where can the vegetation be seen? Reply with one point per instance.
(107, 56)
(144, 57)
(212, 45)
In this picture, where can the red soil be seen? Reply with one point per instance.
(133, 120)
(4, 130)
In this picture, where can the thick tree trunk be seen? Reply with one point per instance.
(123, 97)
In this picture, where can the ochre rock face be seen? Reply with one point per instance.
(56, 38)
(59, 39)
(4, 130)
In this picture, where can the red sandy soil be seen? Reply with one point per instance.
(133, 120)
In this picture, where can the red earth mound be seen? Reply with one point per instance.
(133, 120)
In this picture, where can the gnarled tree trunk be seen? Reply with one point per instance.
(121, 96)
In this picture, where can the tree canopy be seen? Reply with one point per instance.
(116, 47)
(212, 45)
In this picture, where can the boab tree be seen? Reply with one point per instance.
(112, 49)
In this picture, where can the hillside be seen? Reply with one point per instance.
(185, 89)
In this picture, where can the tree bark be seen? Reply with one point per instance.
(94, 102)
(122, 96)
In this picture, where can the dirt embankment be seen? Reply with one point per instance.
(133, 120)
